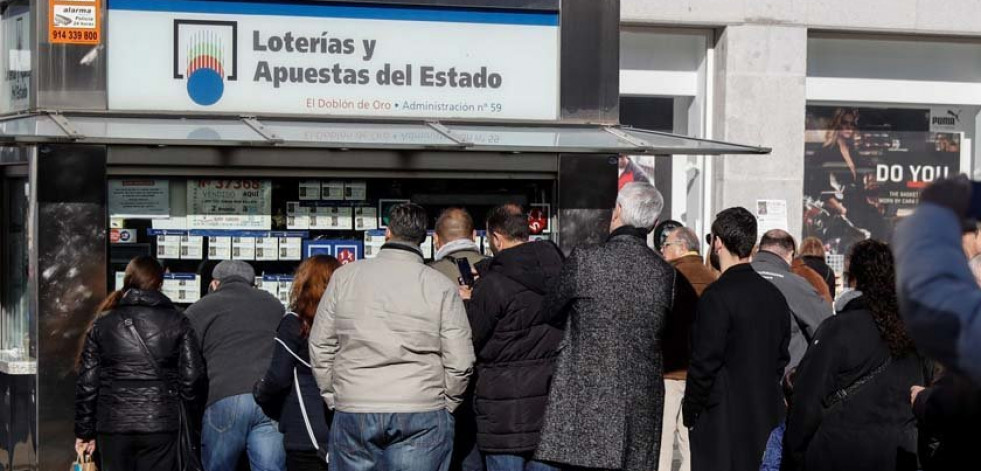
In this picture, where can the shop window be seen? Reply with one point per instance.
(190, 224)
(16, 342)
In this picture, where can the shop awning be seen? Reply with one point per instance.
(109, 129)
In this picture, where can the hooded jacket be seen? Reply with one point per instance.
(809, 310)
(515, 346)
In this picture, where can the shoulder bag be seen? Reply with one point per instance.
(839, 396)
(188, 454)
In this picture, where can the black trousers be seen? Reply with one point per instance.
(138, 451)
(304, 461)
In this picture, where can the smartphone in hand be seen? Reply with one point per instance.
(466, 272)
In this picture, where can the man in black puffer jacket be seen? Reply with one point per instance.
(515, 346)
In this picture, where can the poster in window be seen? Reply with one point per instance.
(864, 169)
(229, 204)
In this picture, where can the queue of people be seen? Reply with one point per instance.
(618, 357)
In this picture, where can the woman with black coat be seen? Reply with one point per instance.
(288, 392)
(850, 408)
(121, 403)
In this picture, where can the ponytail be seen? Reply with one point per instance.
(110, 302)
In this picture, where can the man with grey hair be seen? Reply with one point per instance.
(607, 395)
(807, 308)
(391, 351)
(680, 249)
(235, 324)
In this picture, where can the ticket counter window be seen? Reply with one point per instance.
(16, 339)
(191, 224)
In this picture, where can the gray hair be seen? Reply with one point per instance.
(640, 205)
(687, 237)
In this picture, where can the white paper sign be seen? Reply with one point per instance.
(290, 248)
(309, 190)
(182, 288)
(365, 218)
(269, 284)
(771, 214)
(356, 191)
(332, 218)
(139, 199)
(373, 241)
(168, 246)
(333, 191)
(267, 248)
(229, 204)
(219, 248)
(333, 59)
(243, 248)
(192, 247)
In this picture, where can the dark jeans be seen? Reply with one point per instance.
(137, 451)
(304, 461)
(496, 462)
(397, 442)
(236, 424)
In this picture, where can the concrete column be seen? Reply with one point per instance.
(760, 99)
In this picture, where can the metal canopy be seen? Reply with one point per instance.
(395, 135)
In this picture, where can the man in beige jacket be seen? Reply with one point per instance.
(392, 353)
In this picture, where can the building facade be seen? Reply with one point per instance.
(903, 75)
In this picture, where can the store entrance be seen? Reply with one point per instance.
(192, 223)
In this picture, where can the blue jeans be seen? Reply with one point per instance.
(515, 463)
(236, 424)
(394, 442)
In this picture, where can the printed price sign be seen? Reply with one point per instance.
(74, 22)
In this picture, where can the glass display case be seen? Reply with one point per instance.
(17, 334)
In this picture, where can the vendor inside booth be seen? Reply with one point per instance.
(198, 131)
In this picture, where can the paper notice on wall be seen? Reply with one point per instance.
(373, 241)
(365, 218)
(182, 288)
(139, 198)
(168, 246)
(427, 247)
(309, 190)
(120, 276)
(331, 218)
(297, 216)
(268, 283)
(267, 248)
(771, 214)
(192, 247)
(243, 248)
(356, 191)
(219, 248)
(229, 204)
(285, 286)
(333, 191)
(290, 248)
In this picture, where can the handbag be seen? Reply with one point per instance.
(83, 463)
(841, 395)
(188, 451)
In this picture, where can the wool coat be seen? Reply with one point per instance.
(607, 394)
(733, 398)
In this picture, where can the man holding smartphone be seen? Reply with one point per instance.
(515, 346)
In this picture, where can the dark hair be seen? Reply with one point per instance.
(508, 220)
(736, 228)
(309, 284)
(143, 273)
(778, 239)
(408, 223)
(872, 267)
(453, 224)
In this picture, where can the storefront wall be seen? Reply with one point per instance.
(772, 59)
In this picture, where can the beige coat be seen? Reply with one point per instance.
(391, 335)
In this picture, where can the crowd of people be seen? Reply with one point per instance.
(617, 357)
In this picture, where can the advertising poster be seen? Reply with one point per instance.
(865, 167)
(139, 199)
(229, 204)
(771, 214)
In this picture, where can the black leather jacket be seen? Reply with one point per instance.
(118, 390)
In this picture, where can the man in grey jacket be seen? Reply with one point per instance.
(392, 353)
(809, 310)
